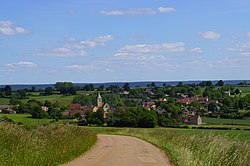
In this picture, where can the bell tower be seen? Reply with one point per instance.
(99, 101)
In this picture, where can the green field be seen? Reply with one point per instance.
(188, 147)
(226, 121)
(4, 101)
(61, 99)
(26, 119)
(243, 88)
(43, 146)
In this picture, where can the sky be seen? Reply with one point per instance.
(95, 41)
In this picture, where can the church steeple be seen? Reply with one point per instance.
(99, 101)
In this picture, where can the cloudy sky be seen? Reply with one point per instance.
(104, 41)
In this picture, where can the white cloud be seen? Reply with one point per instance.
(75, 48)
(209, 35)
(196, 50)
(133, 11)
(243, 48)
(9, 28)
(248, 34)
(166, 9)
(80, 67)
(62, 52)
(21, 64)
(153, 48)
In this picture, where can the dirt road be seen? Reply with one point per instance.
(113, 150)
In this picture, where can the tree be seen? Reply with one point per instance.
(66, 88)
(220, 83)
(33, 89)
(152, 84)
(101, 87)
(126, 87)
(48, 91)
(237, 91)
(37, 112)
(88, 87)
(98, 117)
(7, 90)
(241, 104)
(147, 118)
(212, 107)
(205, 83)
(21, 94)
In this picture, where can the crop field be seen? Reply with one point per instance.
(45, 145)
(188, 147)
(226, 121)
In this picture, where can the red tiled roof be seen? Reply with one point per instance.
(75, 106)
(73, 112)
(193, 117)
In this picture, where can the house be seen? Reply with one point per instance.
(185, 111)
(149, 105)
(227, 94)
(74, 112)
(163, 99)
(8, 108)
(149, 92)
(189, 100)
(44, 108)
(75, 106)
(195, 119)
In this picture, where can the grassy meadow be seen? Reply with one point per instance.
(26, 119)
(187, 147)
(220, 121)
(44, 146)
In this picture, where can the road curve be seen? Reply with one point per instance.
(114, 150)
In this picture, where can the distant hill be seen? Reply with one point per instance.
(120, 84)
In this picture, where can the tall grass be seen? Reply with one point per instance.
(45, 145)
(194, 150)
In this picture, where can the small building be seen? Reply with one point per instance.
(195, 119)
(149, 105)
(8, 108)
(227, 94)
(44, 108)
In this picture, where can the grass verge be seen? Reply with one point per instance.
(190, 149)
(46, 145)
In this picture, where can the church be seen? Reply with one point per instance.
(101, 104)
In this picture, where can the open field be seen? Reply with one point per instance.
(4, 101)
(61, 99)
(45, 145)
(226, 121)
(187, 147)
(243, 88)
(26, 119)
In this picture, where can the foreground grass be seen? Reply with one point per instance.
(46, 145)
(193, 147)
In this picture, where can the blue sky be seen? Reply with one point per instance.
(47, 41)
